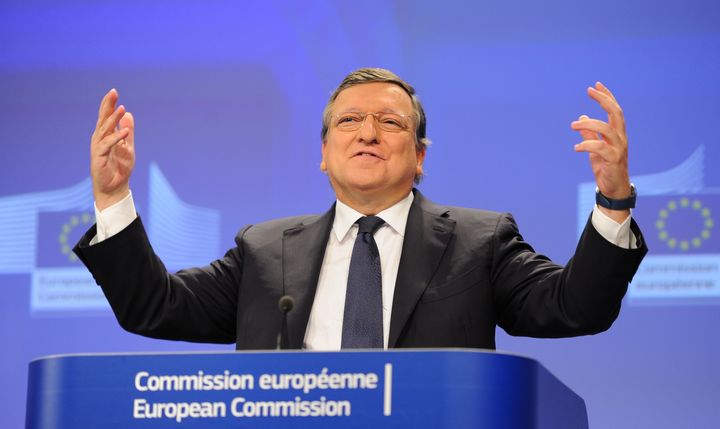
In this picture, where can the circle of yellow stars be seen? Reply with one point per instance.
(674, 206)
(83, 220)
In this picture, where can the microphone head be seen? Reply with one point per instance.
(286, 303)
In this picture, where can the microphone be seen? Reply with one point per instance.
(285, 304)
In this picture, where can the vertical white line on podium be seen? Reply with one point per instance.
(387, 399)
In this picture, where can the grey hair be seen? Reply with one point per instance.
(370, 75)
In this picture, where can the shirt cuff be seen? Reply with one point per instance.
(618, 234)
(114, 219)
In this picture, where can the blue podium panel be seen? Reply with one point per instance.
(445, 388)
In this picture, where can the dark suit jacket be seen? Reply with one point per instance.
(462, 272)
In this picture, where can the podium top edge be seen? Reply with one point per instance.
(304, 352)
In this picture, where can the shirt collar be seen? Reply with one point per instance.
(395, 216)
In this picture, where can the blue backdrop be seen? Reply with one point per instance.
(227, 98)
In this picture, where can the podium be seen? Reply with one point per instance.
(442, 388)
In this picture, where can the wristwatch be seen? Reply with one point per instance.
(609, 203)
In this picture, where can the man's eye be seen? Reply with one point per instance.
(348, 119)
(392, 122)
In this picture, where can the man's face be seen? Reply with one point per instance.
(371, 163)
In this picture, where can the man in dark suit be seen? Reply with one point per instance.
(431, 276)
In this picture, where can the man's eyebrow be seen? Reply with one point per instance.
(387, 110)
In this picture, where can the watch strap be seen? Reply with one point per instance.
(613, 204)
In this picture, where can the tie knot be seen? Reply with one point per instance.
(369, 224)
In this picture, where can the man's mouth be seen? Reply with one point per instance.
(368, 154)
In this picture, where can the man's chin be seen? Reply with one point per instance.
(369, 184)
(373, 188)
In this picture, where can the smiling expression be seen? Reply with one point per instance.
(370, 164)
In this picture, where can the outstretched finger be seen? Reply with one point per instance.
(110, 123)
(607, 133)
(586, 134)
(104, 146)
(610, 105)
(602, 88)
(598, 148)
(107, 106)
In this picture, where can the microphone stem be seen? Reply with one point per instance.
(281, 342)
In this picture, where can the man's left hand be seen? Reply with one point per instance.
(607, 145)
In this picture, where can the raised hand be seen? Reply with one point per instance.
(607, 146)
(112, 152)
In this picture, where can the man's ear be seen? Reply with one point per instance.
(420, 161)
(323, 164)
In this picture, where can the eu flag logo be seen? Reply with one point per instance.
(57, 234)
(680, 224)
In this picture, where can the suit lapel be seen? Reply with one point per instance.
(427, 235)
(303, 253)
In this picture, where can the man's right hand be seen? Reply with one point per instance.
(112, 152)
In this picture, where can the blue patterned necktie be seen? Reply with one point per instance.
(363, 322)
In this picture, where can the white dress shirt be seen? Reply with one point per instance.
(324, 329)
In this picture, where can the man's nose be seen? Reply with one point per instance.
(368, 130)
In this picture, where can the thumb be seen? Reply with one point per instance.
(127, 121)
